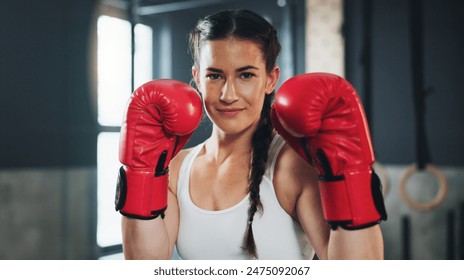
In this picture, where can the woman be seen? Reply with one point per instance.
(243, 193)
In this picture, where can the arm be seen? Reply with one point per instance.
(151, 239)
(322, 119)
(298, 181)
(340, 244)
(160, 118)
(362, 244)
(366, 243)
(138, 241)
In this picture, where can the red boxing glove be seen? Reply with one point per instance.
(160, 118)
(322, 119)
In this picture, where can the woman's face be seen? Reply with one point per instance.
(232, 78)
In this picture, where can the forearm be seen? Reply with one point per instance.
(362, 244)
(145, 239)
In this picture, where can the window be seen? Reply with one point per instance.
(114, 88)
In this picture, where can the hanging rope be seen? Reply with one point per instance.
(419, 99)
(367, 87)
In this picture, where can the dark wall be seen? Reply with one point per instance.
(47, 117)
(390, 76)
(47, 114)
(289, 20)
(45, 111)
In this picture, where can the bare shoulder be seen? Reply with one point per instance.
(174, 169)
(292, 177)
(290, 166)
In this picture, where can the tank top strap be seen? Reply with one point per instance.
(274, 150)
(186, 165)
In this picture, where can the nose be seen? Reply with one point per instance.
(228, 93)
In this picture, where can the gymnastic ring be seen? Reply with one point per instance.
(383, 175)
(442, 188)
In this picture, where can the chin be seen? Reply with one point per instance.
(233, 127)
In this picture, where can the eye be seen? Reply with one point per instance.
(247, 75)
(213, 76)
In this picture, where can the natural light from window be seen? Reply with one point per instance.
(114, 89)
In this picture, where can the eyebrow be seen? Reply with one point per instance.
(244, 68)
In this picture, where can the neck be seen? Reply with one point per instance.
(221, 145)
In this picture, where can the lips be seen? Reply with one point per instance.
(230, 111)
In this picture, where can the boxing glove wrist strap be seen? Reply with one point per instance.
(140, 194)
(350, 202)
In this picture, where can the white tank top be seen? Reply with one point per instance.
(205, 234)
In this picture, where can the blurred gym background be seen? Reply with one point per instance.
(68, 68)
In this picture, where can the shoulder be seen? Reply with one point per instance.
(293, 177)
(290, 166)
(174, 169)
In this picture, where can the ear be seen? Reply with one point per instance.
(272, 79)
(196, 77)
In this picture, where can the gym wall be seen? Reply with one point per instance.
(378, 38)
(49, 131)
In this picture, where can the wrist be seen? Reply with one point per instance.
(140, 194)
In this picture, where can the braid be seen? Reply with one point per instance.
(260, 143)
(247, 25)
